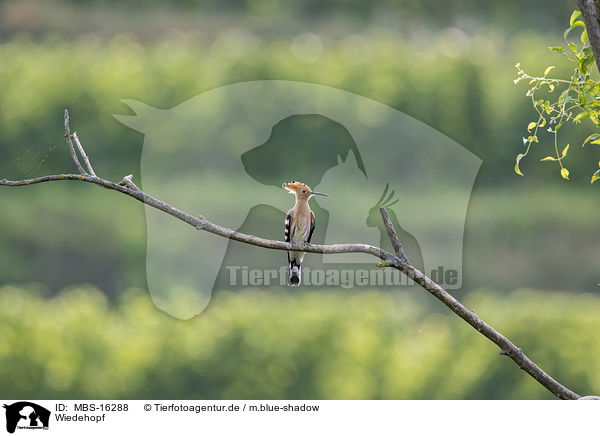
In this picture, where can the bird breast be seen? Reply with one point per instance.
(301, 224)
(300, 231)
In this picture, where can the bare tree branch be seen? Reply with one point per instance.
(398, 260)
(589, 12)
(201, 223)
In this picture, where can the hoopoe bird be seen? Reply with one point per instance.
(299, 226)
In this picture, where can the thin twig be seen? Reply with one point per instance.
(83, 155)
(70, 144)
(398, 261)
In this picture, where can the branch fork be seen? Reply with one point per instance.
(73, 137)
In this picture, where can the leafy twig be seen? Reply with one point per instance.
(585, 100)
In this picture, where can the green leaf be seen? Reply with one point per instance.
(573, 47)
(580, 116)
(550, 87)
(595, 176)
(547, 70)
(564, 152)
(577, 24)
(564, 173)
(548, 158)
(556, 49)
(547, 106)
(584, 36)
(576, 14)
(573, 26)
(517, 169)
(531, 126)
(584, 64)
(597, 142)
(593, 136)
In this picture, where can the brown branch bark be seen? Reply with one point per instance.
(589, 11)
(397, 260)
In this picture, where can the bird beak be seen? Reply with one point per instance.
(319, 193)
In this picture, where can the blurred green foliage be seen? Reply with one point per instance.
(152, 18)
(259, 344)
(459, 84)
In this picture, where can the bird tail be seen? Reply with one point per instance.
(295, 273)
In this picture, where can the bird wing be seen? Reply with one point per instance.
(312, 226)
(288, 225)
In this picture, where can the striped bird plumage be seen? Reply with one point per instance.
(299, 227)
(301, 231)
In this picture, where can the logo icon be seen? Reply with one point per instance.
(26, 415)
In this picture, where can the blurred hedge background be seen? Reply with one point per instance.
(74, 318)
(316, 345)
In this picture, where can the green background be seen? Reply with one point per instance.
(75, 318)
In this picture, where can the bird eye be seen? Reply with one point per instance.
(304, 191)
